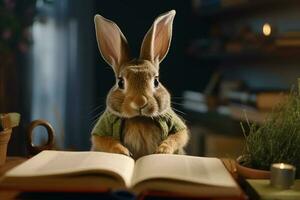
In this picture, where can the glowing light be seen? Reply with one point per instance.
(267, 29)
(281, 166)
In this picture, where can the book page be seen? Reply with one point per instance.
(49, 163)
(200, 170)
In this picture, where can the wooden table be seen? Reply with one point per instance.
(10, 163)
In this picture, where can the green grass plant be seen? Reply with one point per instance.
(277, 139)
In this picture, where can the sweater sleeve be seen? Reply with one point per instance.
(103, 126)
(176, 124)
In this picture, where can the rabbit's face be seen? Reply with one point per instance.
(138, 92)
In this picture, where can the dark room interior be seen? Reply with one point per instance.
(232, 70)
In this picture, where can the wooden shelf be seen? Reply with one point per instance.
(235, 112)
(250, 57)
(243, 9)
(214, 121)
(240, 113)
(224, 119)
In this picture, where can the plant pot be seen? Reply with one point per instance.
(251, 173)
(4, 139)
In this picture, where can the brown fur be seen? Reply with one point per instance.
(139, 101)
(138, 76)
(174, 142)
(108, 144)
(142, 136)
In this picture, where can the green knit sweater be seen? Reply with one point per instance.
(110, 124)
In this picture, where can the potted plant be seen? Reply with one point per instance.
(7, 122)
(275, 141)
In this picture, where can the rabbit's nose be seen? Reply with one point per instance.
(139, 102)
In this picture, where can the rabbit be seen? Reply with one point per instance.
(138, 119)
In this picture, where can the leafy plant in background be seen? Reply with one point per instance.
(278, 139)
(16, 16)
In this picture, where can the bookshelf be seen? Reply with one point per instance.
(246, 57)
(233, 43)
(240, 8)
(242, 38)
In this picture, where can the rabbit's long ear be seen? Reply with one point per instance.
(112, 43)
(157, 41)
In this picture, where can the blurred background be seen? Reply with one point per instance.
(228, 59)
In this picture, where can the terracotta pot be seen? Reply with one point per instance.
(251, 173)
(4, 139)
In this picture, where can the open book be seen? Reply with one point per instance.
(97, 171)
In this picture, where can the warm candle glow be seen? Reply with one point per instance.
(281, 166)
(282, 175)
(267, 29)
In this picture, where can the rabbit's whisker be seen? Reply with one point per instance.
(177, 97)
(96, 117)
(180, 104)
(95, 109)
(178, 111)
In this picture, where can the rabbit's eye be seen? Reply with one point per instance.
(121, 83)
(156, 82)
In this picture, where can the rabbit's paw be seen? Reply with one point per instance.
(121, 150)
(165, 148)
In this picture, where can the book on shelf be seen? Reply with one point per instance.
(194, 96)
(287, 42)
(63, 171)
(288, 39)
(261, 100)
(198, 101)
(243, 113)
